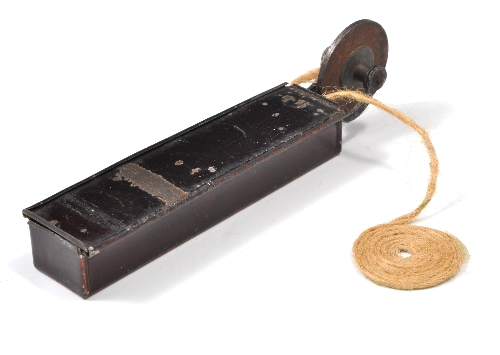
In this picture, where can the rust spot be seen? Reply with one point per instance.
(287, 98)
(117, 177)
(53, 222)
(152, 183)
(84, 276)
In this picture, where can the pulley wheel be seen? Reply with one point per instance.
(345, 64)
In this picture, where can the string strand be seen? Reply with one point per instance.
(379, 252)
(310, 76)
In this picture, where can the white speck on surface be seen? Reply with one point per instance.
(264, 104)
(195, 170)
(281, 128)
(275, 114)
(84, 230)
(287, 98)
(212, 169)
(179, 162)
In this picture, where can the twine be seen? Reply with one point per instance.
(379, 252)
(308, 77)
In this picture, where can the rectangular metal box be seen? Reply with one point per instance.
(105, 227)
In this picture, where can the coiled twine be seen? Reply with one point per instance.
(397, 254)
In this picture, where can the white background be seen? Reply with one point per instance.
(84, 84)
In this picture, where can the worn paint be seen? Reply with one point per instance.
(301, 104)
(239, 129)
(151, 183)
(295, 103)
(90, 211)
(93, 251)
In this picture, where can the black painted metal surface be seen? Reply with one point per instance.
(136, 210)
(101, 229)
